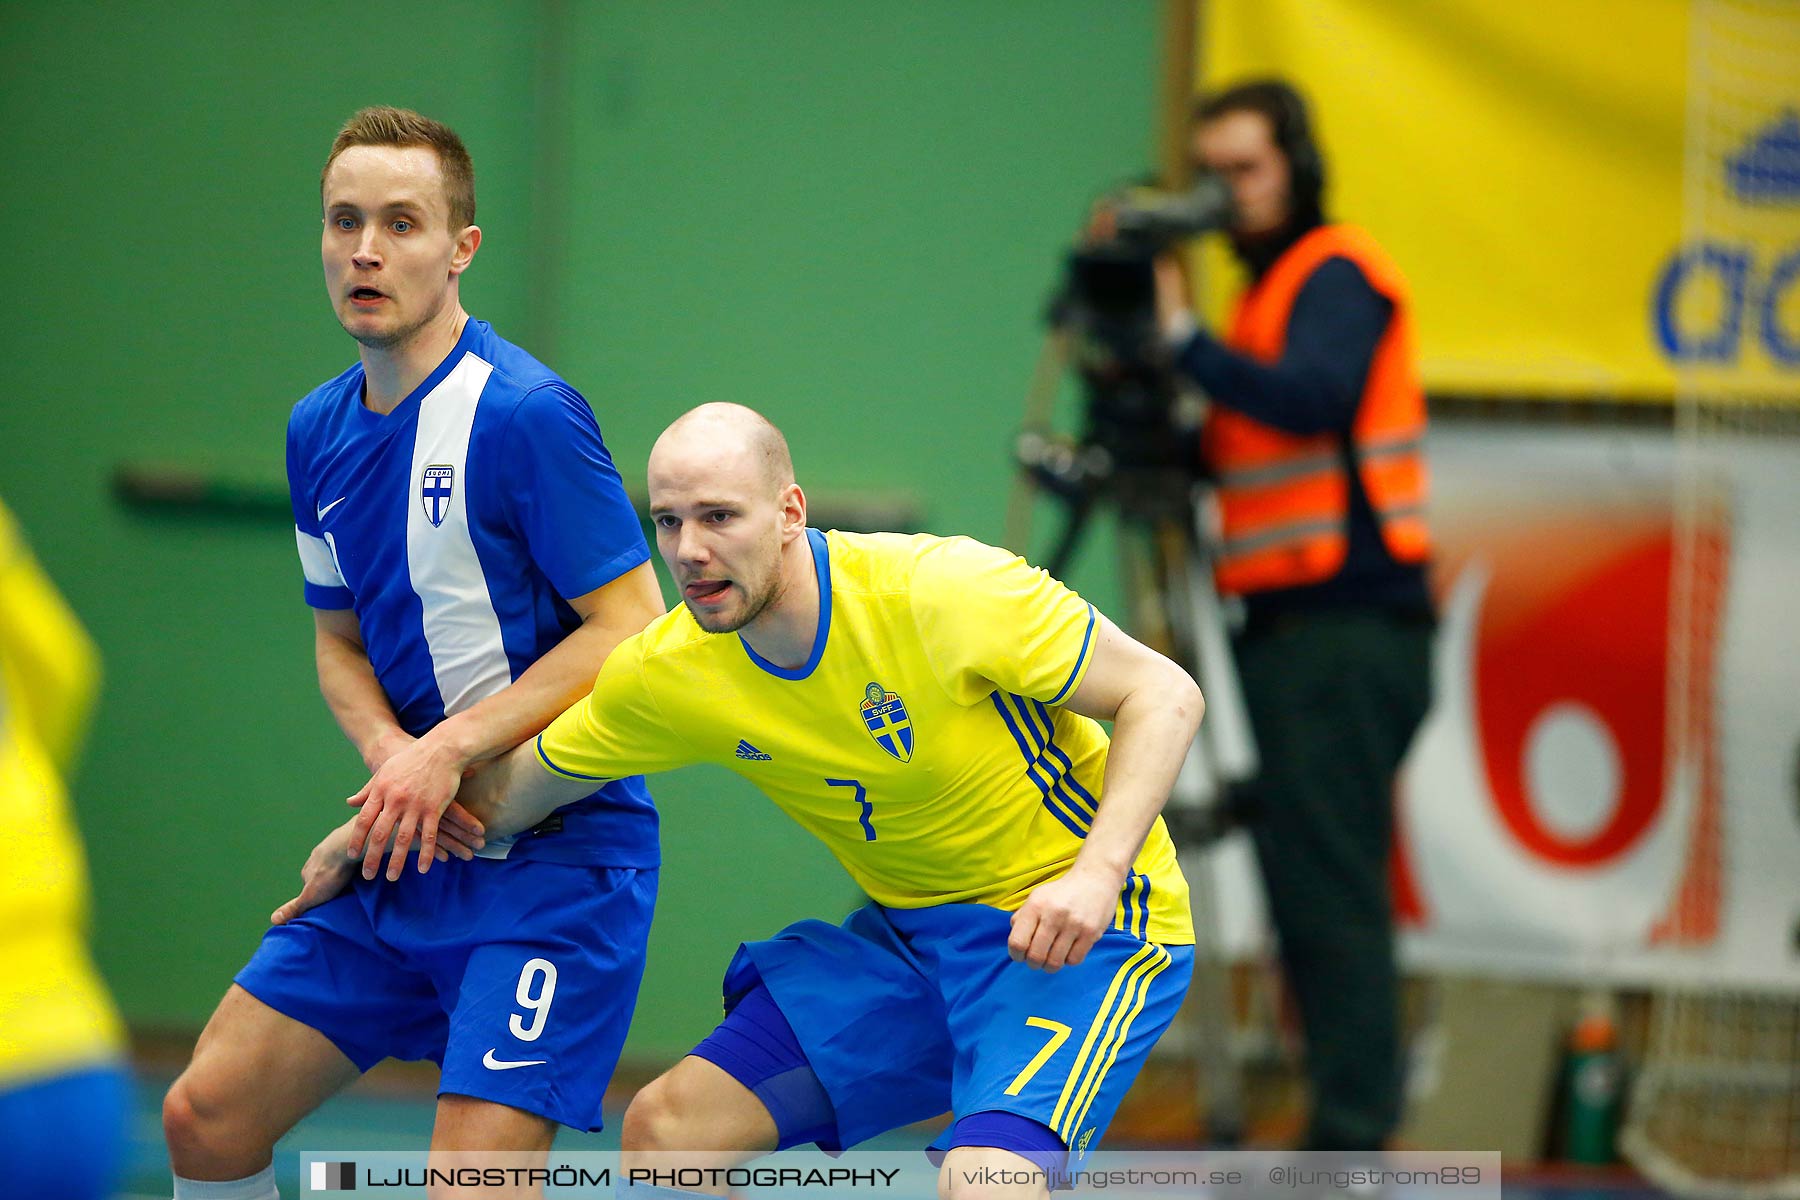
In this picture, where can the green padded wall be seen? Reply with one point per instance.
(847, 215)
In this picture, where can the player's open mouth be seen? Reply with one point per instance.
(365, 296)
(706, 590)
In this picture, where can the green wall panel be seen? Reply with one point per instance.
(847, 215)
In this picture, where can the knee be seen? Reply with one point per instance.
(196, 1126)
(698, 1113)
(207, 1132)
(658, 1119)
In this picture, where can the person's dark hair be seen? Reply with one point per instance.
(382, 125)
(1285, 109)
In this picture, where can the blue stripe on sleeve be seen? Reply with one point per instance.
(1068, 767)
(1087, 639)
(1034, 765)
(1030, 768)
(1048, 764)
(565, 773)
(1043, 775)
(1048, 755)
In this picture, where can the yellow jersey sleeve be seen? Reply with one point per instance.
(617, 730)
(989, 620)
(51, 668)
(55, 1014)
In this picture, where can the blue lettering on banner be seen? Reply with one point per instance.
(1732, 268)
(1763, 172)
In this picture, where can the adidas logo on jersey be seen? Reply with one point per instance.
(746, 750)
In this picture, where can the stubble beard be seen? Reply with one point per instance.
(754, 606)
(395, 339)
(387, 339)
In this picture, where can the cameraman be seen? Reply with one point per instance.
(1314, 440)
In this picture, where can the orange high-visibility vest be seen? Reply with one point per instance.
(1284, 500)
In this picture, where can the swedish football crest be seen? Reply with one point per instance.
(434, 491)
(885, 715)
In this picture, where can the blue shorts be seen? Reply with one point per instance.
(65, 1135)
(904, 1013)
(517, 978)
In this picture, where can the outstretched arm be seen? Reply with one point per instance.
(516, 791)
(1155, 708)
(511, 794)
(413, 787)
(615, 731)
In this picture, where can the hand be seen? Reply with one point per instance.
(385, 747)
(409, 795)
(328, 869)
(1063, 918)
(326, 873)
(1102, 223)
(1173, 308)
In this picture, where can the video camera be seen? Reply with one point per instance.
(1139, 452)
(1152, 220)
(1132, 445)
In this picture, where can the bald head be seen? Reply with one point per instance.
(728, 433)
(730, 521)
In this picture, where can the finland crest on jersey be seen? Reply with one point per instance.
(884, 712)
(435, 487)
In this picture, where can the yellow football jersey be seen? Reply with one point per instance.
(54, 1012)
(923, 743)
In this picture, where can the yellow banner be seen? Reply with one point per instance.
(1525, 165)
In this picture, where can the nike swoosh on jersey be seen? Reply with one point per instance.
(497, 1064)
(331, 506)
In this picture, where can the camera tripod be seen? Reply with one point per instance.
(1172, 606)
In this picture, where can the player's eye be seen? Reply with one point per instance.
(402, 226)
(345, 223)
(718, 516)
(666, 522)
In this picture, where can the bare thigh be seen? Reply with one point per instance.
(695, 1114)
(989, 1173)
(255, 1073)
(470, 1132)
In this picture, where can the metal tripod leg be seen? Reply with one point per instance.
(1162, 568)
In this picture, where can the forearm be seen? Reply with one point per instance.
(1296, 397)
(515, 792)
(1316, 385)
(1151, 734)
(521, 711)
(356, 699)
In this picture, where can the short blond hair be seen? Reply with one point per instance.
(382, 125)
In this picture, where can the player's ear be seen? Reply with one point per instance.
(467, 242)
(793, 510)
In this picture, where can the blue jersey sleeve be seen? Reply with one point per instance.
(566, 496)
(318, 563)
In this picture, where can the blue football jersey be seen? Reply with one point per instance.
(455, 525)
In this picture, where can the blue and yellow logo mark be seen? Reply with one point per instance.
(885, 715)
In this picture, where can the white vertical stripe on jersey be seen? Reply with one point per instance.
(316, 562)
(462, 630)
